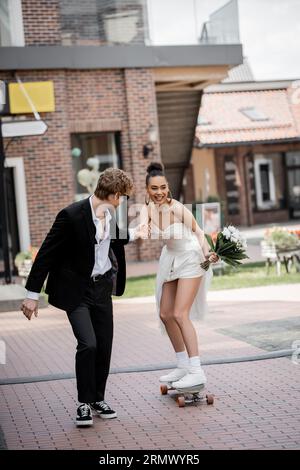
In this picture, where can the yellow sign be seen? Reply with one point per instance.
(41, 94)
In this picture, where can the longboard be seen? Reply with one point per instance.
(186, 396)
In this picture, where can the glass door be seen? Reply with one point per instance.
(92, 153)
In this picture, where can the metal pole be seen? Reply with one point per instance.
(4, 213)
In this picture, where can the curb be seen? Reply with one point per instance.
(150, 368)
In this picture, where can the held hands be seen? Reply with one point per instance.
(142, 231)
(29, 307)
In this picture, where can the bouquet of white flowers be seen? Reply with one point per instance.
(229, 245)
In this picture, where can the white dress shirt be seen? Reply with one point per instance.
(102, 261)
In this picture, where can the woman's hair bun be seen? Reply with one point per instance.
(155, 166)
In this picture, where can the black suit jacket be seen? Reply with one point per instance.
(67, 256)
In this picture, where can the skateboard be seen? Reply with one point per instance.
(187, 396)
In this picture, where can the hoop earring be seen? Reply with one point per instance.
(147, 202)
(170, 197)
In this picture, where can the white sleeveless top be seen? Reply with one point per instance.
(177, 236)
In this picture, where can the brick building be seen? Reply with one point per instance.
(248, 140)
(112, 87)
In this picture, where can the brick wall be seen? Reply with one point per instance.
(97, 100)
(47, 162)
(142, 112)
(41, 22)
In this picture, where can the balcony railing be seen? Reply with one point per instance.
(193, 22)
(222, 26)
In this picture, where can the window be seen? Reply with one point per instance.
(11, 23)
(96, 22)
(293, 159)
(254, 114)
(264, 182)
(92, 153)
(264, 170)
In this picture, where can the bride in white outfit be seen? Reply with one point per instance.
(181, 283)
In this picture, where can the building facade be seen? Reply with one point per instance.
(248, 143)
(113, 89)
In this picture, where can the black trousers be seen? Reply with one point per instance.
(92, 324)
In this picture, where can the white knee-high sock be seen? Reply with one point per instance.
(182, 359)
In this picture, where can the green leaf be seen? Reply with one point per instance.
(219, 241)
(226, 247)
(210, 242)
(230, 261)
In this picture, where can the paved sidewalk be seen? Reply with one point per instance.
(257, 403)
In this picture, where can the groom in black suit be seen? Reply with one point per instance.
(83, 257)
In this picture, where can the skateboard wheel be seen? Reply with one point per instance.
(181, 402)
(164, 389)
(210, 399)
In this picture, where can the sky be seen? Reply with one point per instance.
(269, 31)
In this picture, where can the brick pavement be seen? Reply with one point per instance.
(257, 407)
(257, 403)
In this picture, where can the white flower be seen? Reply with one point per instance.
(226, 233)
(231, 228)
(233, 239)
(243, 241)
(236, 234)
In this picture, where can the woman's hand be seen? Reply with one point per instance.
(142, 231)
(213, 258)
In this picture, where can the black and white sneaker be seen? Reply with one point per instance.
(84, 415)
(103, 410)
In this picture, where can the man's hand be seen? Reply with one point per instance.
(29, 307)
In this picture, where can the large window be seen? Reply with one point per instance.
(92, 153)
(11, 23)
(96, 22)
(265, 180)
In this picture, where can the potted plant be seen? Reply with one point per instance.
(24, 261)
(280, 245)
(282, 239)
